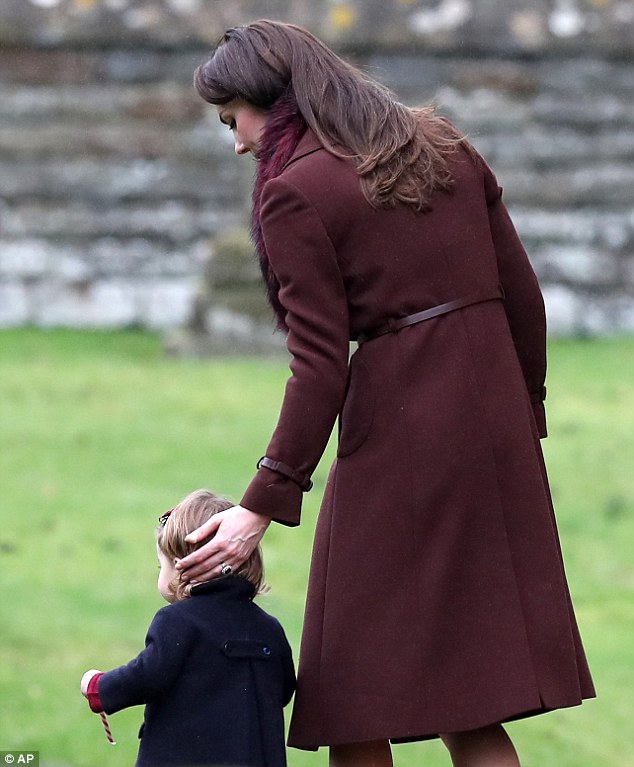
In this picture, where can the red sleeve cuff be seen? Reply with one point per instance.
(94, 700)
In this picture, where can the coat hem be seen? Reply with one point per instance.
(399, 739)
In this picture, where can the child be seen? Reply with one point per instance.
(216, 670)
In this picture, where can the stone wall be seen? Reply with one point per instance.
(115, 178)
(483, 26)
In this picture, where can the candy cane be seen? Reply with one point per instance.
(106, 726)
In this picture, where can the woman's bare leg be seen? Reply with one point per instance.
(376, 753)
(487, 747)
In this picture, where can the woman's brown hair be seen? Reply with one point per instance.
(187, 516)
(400, 152)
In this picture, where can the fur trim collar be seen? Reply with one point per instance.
(282, 133)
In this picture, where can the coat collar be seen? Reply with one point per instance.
(308, 144)
(230, 586)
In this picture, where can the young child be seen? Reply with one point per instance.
(216, 670)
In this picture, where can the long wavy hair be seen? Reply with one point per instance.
(401, 153)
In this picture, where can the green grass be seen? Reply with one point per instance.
(101, 433)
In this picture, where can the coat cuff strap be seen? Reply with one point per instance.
(300, 478)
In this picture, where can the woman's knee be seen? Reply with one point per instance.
(484, 747)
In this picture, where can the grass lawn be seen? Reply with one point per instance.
(101, 433)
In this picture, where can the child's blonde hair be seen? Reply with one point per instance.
(186, 517)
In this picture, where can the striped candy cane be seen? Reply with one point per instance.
(106, 726)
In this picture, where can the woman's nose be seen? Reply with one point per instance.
(240, 147)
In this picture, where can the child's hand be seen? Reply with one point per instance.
(85, 680)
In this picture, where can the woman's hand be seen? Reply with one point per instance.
(237, 532)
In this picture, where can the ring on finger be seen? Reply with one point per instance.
(225, 569)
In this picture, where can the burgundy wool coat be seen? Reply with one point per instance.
(437, 598)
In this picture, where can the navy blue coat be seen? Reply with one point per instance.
(215, 675)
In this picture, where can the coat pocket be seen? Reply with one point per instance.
(357, 413)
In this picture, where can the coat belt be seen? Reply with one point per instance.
(394, 324)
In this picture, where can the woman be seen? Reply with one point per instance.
(437, 601)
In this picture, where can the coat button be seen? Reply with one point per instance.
(266, 650)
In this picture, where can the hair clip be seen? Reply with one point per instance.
(164, 517)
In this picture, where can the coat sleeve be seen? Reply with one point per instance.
(153, 671)
(313, 295)
(523, 299)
